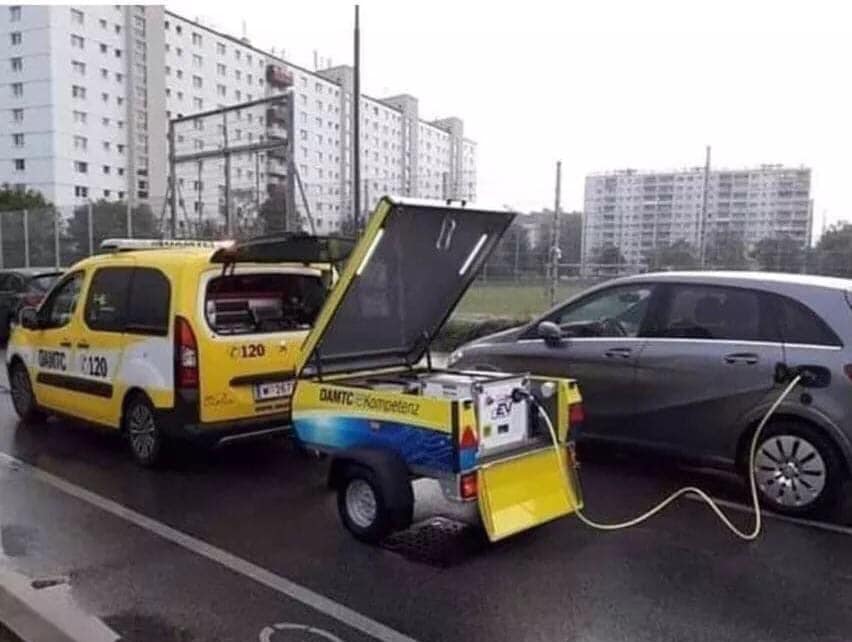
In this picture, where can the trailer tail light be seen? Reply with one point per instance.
(468, 487)
(847, 369)
(469, 438)
(576, 415)
(186, 355)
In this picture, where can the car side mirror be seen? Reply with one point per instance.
(550, 332)
(29, 318)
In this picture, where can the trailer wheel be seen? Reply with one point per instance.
(362, 504)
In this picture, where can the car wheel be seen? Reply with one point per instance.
(144, 436)
(21, 391)
(798, 470)
(361, 505)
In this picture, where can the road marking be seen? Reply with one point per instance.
(282, 585)
(268, 631)
(742, 508)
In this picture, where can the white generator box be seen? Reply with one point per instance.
(502, 420)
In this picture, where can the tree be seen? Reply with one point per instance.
(833, 253)
(680, 254)
(109, 220)
(274, 216)
(779, 254)
(725, 249)
(607, 254)
(41, 226)
(513, 255)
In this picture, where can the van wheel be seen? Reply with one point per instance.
(142, 432)
(798, 470)
(362, 506)
(21, 390)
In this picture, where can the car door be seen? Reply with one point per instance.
(599, 349)
(710, 357)
(100, 344)
(58, 325)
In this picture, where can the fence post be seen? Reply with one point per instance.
(2, 265)
(90, 226)
(129, 218)
(57, 258)
(26, 238)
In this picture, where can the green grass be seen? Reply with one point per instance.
(515, 300)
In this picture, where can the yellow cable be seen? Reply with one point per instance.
(692, 489)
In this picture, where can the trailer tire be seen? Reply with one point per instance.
(363, 504)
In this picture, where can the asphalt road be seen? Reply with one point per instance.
(244, 544)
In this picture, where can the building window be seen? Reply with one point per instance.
(18, 140)
(118, 28)
(14, 14)
(81, 167)
(196, 60)
(77, 42)
(178, 29)
(119, 77)
(18, 115)
(198, 103)
(76, 16)
(220, 69)
(238, 74)
(15, 38)
(180, 73)
(78, 92)
(80, 117)
(104, 48)
(120, 150)
(196, 39)
(237, 95)
(106, 149)
(221, 90)
(80, 191)
(80, 142)
(17, 64)
(17, 89)
(20, 165)
(237, 54)
(196, 82)
(103, 23)
(118, 53)
(220, 48)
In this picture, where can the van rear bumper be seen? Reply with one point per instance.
(182, 422)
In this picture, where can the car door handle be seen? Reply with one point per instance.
(64, 344)
(748, 358)
(83, 346)
(620, 353)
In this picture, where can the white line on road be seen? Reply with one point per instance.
(742, 508)
(222, 557)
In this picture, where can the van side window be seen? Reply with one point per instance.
(106, 303)
(148, 310)
(797, 323)
(61, 303)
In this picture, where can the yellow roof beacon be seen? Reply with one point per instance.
(362, 395)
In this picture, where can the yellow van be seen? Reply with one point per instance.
(163, 339)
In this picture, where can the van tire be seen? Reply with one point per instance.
(21, 391)
(362, 504)
(141, 429)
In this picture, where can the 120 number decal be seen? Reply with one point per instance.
(249, 351)
(94, 366)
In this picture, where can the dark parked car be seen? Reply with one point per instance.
(22, 287)
(686, 362)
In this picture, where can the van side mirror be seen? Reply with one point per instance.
(28, 318)
(550, 332)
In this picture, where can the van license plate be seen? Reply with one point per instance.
(272, 390)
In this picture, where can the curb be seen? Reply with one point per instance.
(47, 614)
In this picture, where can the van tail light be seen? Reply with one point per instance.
(469, 438)
(468, 486)
(186, 355)
(576, 415)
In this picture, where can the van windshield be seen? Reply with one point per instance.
(263, 302)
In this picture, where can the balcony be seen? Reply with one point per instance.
(277, 116)
(278, 77)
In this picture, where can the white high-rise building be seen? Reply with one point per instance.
(87, 92)
(638, 212)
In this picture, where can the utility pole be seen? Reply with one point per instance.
(554, 251)
(702, 224)
(257, 182)
(356, 125)
(228, 223)
(172, 179)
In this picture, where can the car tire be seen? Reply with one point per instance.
(143, 434)
(362, 505)
(799, 471)
(21, 391)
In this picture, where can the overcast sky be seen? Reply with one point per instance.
(599, 85)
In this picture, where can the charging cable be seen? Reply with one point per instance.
(748, 536)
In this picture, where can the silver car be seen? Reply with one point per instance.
(688, 362)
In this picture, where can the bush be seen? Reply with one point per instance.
(457, 332)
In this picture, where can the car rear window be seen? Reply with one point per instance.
(250, 303)
(43, 282)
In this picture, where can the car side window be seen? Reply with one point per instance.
(60, 305)
(614, 312)
(148, 309)
(797, 323)
(693, 311)
(106, 303)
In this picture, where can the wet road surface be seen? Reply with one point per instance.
(680, 576)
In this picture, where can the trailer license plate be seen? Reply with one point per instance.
(272, 390)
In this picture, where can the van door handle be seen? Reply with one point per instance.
(64, 344)
(83, 346)
(748, 358)
(620, 353)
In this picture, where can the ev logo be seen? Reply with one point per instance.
(503, 409)
(284, 631)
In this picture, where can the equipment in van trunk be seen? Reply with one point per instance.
(362, 396)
